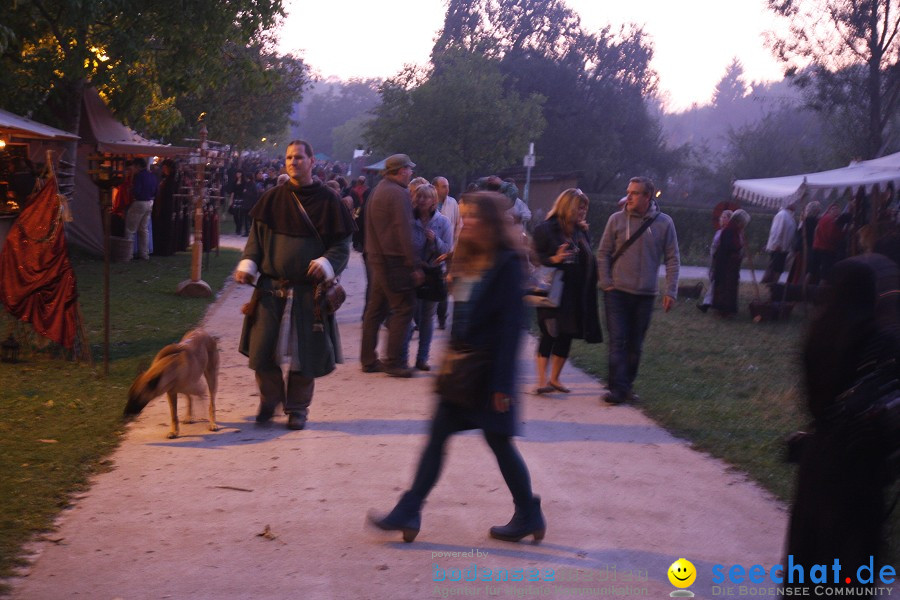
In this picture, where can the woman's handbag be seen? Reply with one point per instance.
(464, 380)
(546, 288)
(434, 287)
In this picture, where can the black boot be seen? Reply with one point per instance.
(406, 518)
(526, 521)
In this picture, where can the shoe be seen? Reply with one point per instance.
(524, 522)
(404, 372)
(375, 367)
(405, 518)
(560, 387)
(422, 365)
(544, 389)
(703, 307)
(442, 326)
(264, 415)
(296, 422)
(632, 397)
(611, 398)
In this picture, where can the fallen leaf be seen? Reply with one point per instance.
(267, 533)
(48, 441)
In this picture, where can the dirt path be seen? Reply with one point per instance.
(184, 518)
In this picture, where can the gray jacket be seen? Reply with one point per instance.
(637, 270)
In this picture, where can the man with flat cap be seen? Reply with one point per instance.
(393, 275)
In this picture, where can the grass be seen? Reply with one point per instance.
(733, 388)
(60, 420)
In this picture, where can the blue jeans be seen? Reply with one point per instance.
(627, 320)
(423, 317)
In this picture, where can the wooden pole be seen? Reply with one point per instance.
(104, 206)
(196, 287)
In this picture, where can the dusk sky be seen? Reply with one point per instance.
(694, 40)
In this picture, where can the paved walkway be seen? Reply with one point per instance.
(270, 513)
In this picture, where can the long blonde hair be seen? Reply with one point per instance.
(565, 208)
(491, 209)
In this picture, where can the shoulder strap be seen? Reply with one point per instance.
(307, 219)
(644, 226)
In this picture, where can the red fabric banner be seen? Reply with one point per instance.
(37, 283)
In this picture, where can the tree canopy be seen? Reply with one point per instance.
(596, 83)
(844, 53)
(456, 121)
(160, 64)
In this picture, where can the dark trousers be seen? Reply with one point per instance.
(296, 398)
(627, 320)
(383, 302)
(446, 422)
(775, 268)
(442, 307)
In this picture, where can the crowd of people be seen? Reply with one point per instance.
(421, 248)
(300, 237)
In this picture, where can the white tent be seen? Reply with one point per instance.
(775, 191)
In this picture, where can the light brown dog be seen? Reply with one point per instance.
(179, 369)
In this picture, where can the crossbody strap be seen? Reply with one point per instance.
(644, 226)
(311, 226)
(307, 219)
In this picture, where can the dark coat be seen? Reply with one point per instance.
(578, 314)
(727, 270)
(282, 246)
(839, 504)
(492, 318)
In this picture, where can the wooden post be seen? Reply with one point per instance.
(196, 287)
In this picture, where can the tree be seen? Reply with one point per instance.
(595, 83)
(732, 86)
(852, 49)
(332, 105)
(347, 137)
(459, 122)
(253, 100)
(142, 55)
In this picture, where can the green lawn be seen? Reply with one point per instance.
(60, 420)
(732, 387)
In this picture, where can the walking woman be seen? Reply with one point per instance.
(562, 241)
(486, 280)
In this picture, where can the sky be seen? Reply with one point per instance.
(693, 40)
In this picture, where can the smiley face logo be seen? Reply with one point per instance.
(682, 573)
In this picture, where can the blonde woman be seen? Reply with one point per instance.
(562, 241)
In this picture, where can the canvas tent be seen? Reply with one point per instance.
(775, 191)
(101, 132)
(376, 167)
(15, 126)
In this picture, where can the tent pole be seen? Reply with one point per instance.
(104, 203)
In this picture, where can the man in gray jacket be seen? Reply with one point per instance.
(629, 276)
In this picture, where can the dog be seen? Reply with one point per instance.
(179, 369)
